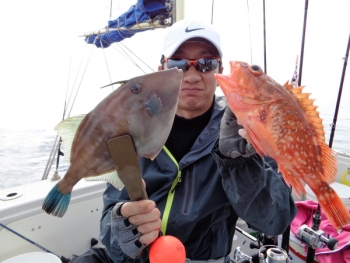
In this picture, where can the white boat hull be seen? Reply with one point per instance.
(64, 236)
(72, 233)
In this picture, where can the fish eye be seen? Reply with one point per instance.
(255, 68)
(135, 88)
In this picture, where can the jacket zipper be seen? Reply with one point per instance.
(188, 190)
(171, 193)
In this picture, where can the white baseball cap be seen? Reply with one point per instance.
(184, 30)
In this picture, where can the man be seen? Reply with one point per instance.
(204, 178)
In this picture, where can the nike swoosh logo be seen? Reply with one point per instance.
(194, 29)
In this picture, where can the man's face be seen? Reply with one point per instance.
(197, 88)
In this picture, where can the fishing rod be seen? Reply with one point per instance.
(265, 67)
(303, 42)
(345, 59)
(317, 216)
(62, 258)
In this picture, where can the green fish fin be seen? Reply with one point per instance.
(67, 130)
(111, 178)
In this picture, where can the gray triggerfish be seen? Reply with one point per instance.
(144, 108)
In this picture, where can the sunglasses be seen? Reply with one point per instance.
(201, 64)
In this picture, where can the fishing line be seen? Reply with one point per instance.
(250, 39)
(62, 258)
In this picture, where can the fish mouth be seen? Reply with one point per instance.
(223, 81)
(227, 82)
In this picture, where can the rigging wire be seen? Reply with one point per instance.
(123, 53)
(104, 55)
(75, 81)
(110, 10)
(81, 80)
(65, 99)
(250, 38)
(136, 56)
(57, 142)
(57, 145)
(128, 57)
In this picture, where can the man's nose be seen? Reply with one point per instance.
(192, 75)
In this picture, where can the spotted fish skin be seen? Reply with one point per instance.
(144, 108)
(282, 122)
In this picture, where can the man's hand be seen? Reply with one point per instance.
(233, 138)
(135, 225)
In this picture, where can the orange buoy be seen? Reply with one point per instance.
(167, 249)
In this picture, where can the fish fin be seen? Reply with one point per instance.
(329, 163)
(67, 129)
(154, 105)
(255, 142)
(56, 203)
(327, 155)
(111, 178)
(331, 205)
(293, 181)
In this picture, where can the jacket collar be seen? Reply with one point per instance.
(208, 137)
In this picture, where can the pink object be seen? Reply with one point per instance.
(341, 254)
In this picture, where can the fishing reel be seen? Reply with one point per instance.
(315, 238)
(273, 255)
(268, 251)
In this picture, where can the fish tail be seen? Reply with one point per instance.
(56, 203)
(332, 206)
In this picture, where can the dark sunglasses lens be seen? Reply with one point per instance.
(178, 63)
(206, 64)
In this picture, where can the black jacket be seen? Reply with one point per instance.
(202, 197)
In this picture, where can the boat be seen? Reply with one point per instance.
(26, 229)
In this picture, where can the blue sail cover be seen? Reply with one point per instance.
(143, 11)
